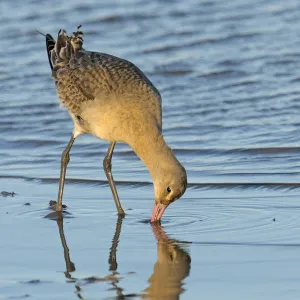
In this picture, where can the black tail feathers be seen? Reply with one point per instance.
(50, 44)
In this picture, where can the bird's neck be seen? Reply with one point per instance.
(153, 150)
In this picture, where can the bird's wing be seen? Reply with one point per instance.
(90, 74)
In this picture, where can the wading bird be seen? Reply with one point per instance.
(112, 99)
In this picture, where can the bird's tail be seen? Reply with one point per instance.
(50, 44)
(61, 51)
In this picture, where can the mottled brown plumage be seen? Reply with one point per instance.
(112, 99)
(83, 75)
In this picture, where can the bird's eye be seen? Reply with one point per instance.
(168, 189)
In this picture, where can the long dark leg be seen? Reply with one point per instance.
(107, 169)
(65, 158)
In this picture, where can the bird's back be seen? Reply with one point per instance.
(82, 76)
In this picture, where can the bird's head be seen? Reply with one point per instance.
(168, 187)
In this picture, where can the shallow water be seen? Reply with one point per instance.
(229, 76)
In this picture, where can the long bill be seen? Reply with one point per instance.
(158, 211)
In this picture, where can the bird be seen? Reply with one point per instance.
(112, 99)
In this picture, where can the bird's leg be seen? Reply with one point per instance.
(65, 158)
(107, 169)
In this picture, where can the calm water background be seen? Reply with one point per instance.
(228, 72)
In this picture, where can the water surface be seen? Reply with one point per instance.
(229, 76)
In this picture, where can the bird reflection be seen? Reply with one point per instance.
(113, 278)
(70, 266)
(172, 266)
(112, 260)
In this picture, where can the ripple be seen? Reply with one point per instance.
(179, 221)
(252, 222)
(191, 186)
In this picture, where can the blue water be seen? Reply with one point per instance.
(229, 77)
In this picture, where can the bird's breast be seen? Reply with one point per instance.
(119, 118)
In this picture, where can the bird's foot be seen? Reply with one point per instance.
(53, 205)
(121, 212)
(57, 214)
